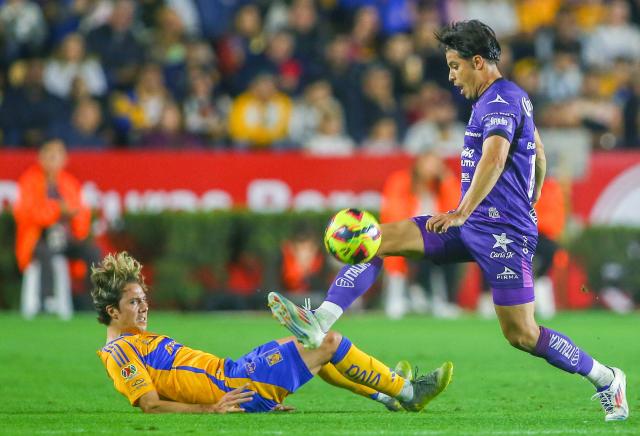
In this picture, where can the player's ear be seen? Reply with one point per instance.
(112, 311)
(477, 62)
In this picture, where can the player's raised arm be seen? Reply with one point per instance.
(540, 168)
(495, 150)
(229, 403)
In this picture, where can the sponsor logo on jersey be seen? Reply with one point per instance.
(346, 281)
(525, 244)
(466, 178)
(534, 216)
(137, 382)
(527, 106)
(467, 152)
(468, 163)
(502, 241)
(473, 134)
(565, 348)
(274, 358)
(507, 274)
(498, 99)
(531, 145)
(129, 371)
(493, 212)
(498, 121)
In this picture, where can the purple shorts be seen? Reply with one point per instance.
(504, 255)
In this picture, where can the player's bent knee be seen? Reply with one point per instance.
(331, 342)
(521, 339)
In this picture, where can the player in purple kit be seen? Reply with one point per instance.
(503, 168)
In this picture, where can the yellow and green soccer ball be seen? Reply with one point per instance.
(353, 236)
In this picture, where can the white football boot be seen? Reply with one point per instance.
(614, 398)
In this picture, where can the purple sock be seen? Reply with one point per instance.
(353, 281)
(561, 352)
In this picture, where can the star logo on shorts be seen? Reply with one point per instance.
(502, 241)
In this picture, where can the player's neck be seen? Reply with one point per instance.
(114, 331)
(492, 75)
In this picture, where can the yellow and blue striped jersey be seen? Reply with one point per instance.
(143, 362)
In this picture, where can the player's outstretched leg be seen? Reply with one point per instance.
(522, 331)
(364, 369)
(402, 238)
(298, 320)
(331, 375)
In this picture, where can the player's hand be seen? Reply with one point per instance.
(230, 402)
(440, 223)
(283, 408)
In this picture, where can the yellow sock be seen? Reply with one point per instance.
(363, 369)
(331, 375)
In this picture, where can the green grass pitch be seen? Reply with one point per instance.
(52, 382)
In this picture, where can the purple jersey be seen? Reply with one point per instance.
(503, 109)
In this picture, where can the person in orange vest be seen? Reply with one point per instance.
(50, 216)
(427, 187)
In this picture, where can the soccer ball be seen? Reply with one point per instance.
(353, 236)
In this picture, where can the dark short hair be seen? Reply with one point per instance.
(470, 38)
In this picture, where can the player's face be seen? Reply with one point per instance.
(462, 73)
(133, 308)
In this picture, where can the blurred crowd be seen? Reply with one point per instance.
(325, 76)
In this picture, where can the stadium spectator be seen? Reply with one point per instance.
(316, 100)
(120, 298)
(139, 110)
(70, 63)
(405, 66)
(117, 46)
(309, 34)
(169, 132)
(365, 34)
(237, 49)
(84, 131)
(437, 128)
(51, 217)
(343, 75)
(382, 138)
(616, 38)
(377, 102)
(561, 79)
(564, 33)
(279, 60)
(22, 28)
(427, 187)
(169, 49)
(28, 109)
(330, 139)
(204, 114)
(259, 118)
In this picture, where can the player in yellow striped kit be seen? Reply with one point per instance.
(158, 374)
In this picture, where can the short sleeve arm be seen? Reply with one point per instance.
(499, 123)
(128, 373)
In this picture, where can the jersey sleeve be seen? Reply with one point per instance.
(127, 371)
(499, 123)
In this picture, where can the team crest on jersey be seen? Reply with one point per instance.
(498, 99)
(129, 371)
(250, 367)
(275, 357)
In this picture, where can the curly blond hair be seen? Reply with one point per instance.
(109, 279)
